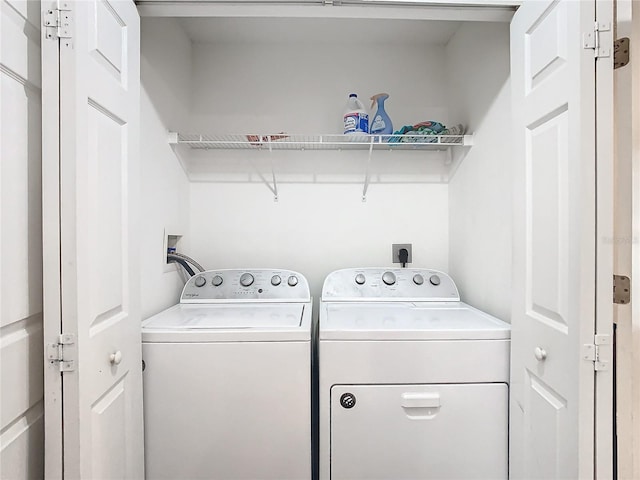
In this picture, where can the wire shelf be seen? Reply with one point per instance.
(283, 141)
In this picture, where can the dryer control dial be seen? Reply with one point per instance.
(393, 284)
(217, 281)
(276, 280)
(246, 279)
(292, 281)
(200, 281)
(389, 278)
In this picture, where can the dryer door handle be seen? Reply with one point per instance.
(420, 400)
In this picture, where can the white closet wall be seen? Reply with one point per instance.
(480, 193)
(21, 343)
(164, 98)
(298, 83)
(316, 229)
(298, 80)
(266, 76)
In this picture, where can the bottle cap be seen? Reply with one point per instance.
(353, 95)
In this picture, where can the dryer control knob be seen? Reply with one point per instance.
(418, 279)
(217, 281)
(246, 279)
(389, 278)
(360, 279)
(276, 280)
(200, 281)
(292, 281)
(434, 280)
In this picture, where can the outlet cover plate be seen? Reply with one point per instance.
(395, 252)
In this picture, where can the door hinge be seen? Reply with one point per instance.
(593, 40)
(58, 22)
(61, 353)
(621, 52)
(593, 352)
(621, 289)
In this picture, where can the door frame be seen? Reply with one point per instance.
(635, 264)
(626, 242)
(51, 274)
(605, 192)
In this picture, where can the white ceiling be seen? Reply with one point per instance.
(318, 30)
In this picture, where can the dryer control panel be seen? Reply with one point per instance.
(389, 284)
(252, 285)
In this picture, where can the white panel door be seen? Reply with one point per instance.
(98, 180)
(554, 96)
(21, 397)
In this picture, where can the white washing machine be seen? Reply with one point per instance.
(227, 372)
(413, 383)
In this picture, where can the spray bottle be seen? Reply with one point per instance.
(381, 124)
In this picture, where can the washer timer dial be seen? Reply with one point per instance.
(389, 278)
(246, 279)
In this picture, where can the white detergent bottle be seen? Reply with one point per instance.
(356, 118)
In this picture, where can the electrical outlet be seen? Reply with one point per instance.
(395, 252)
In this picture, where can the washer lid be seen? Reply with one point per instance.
(226, 317)
(409, 321)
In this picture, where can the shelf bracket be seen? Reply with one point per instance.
(273, 189)
(367, 176)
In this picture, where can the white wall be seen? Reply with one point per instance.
(21, 343)
(315, 229)
(480, 193)
(165, 72)
(303, 88)
(319, 223)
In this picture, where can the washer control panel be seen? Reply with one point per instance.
(387, 284)
(246, 285)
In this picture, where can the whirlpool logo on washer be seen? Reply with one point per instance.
(191, 295)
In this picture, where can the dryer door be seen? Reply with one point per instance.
(419, 431)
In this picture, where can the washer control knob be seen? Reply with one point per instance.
(276, 280)
(292, 281)
(246, 279)
(434, 280)
(418, 279)
(389, 278)
(200, 281)
(360, 279)
(217, 281)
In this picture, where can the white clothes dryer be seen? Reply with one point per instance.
(227, 392)
(413, 383)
